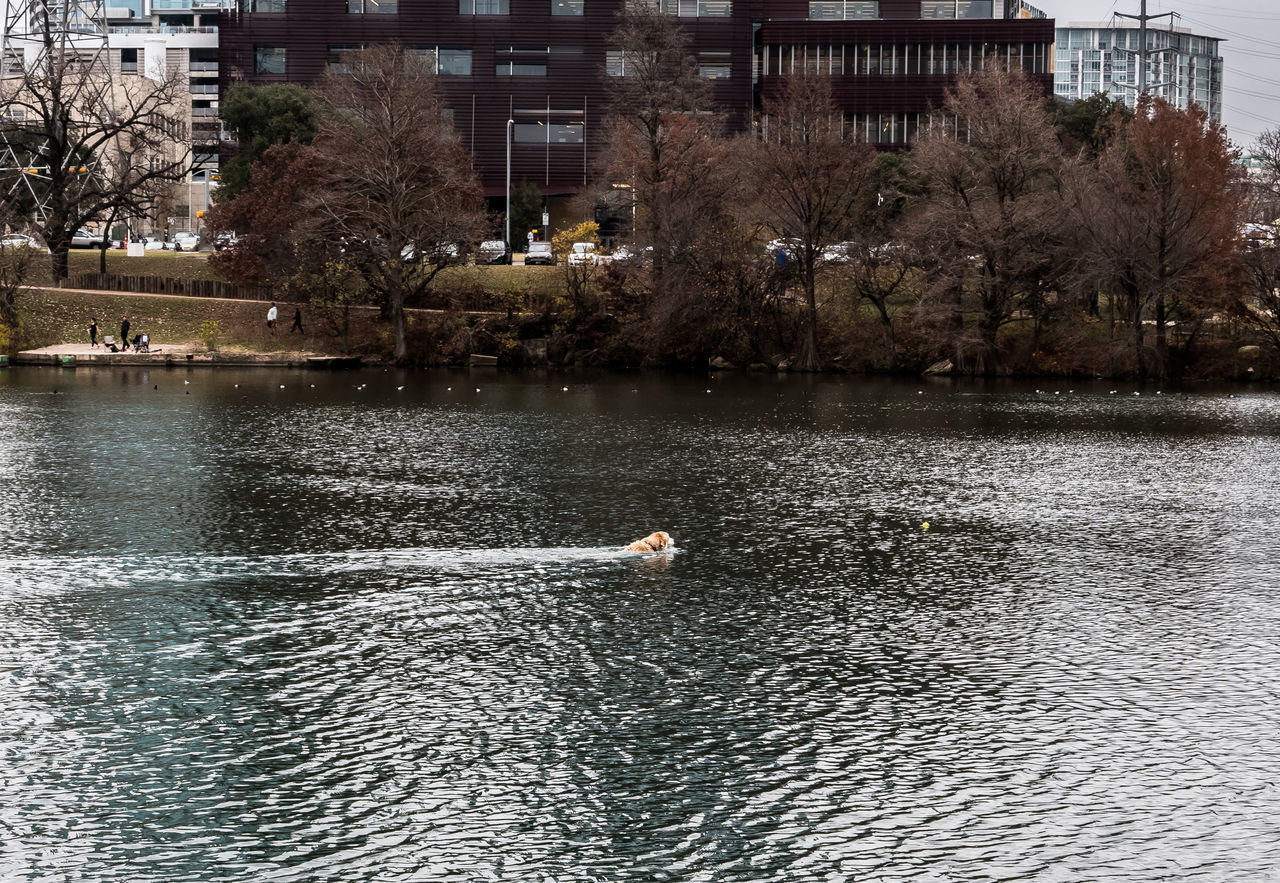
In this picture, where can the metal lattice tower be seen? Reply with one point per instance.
(56, 49)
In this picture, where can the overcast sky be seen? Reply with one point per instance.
(1250, 31)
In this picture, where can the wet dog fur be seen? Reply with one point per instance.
(658, 541)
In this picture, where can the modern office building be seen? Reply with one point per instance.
(1181, 67)
(545, 63)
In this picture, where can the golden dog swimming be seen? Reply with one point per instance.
(658, 541)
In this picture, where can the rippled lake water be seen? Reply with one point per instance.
(375, 626)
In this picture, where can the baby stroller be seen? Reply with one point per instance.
(142, 343)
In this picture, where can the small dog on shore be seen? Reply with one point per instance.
(658, 541)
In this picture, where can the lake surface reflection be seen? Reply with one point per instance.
(373, 626)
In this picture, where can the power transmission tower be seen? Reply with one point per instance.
(57, 43)
(1144, 51)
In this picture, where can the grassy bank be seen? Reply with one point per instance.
(51, 316)
(537, 281)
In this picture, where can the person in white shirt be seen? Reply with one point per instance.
(271, 318)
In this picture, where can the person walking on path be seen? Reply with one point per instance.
(297, 322)
(93, 333)
(271, 317)
(124, 332)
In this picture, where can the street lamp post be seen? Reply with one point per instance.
(510, 125)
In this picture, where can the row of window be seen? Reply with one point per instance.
(859, 10)
(515, 61)
(887, 128)
(871, 59)
(681, 8)
(866, 59)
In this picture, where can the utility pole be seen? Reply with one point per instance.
(1143, 50)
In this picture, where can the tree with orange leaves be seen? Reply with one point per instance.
(1161, 216)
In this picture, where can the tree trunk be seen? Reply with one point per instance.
(1162, 342)
(401, 352)
(1135, 305)
(955, 321)
(809, 346)
(58, 260)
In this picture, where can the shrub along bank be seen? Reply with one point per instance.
(537, 316)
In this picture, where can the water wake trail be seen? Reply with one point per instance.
(21, 575)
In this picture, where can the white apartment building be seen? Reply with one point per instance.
(1182, 67)
(176, 37)
(156, 38)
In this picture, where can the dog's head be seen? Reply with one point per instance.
(657, 541)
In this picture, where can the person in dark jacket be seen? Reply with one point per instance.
(124, 332)
(93, 332)
(297, 322)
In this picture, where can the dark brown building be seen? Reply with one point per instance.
(544, 64)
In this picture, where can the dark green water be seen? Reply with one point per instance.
(378, 629)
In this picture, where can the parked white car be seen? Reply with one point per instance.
(150, 243)
(539, 253)
(584, 253)
(189, 241)
(87, 239)
(20, 240)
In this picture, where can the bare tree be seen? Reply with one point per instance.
(810, 184)
(877, 261)
(991, 219)
(17, 265)
(658, 125)
(1163, 217)
(396, 184)
(1259, 303)
(84, 147)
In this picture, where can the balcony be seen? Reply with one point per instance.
(165, 29)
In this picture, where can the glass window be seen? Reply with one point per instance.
(714, 71)
(454, 62)
(338, 58)
(529, 133)
(268, 59)
(973, 9)
(263, 5)
(613, 64)
(938, 9)
(568, 7)
(13, 61)
(128, 61)
(696, 8)
(541, 133)
(841, 10)
(520, 69)
(484, 7)
(386, 7)
(565, 133)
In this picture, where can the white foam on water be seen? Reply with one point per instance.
(44, 576)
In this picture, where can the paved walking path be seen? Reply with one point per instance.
(184, 353)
